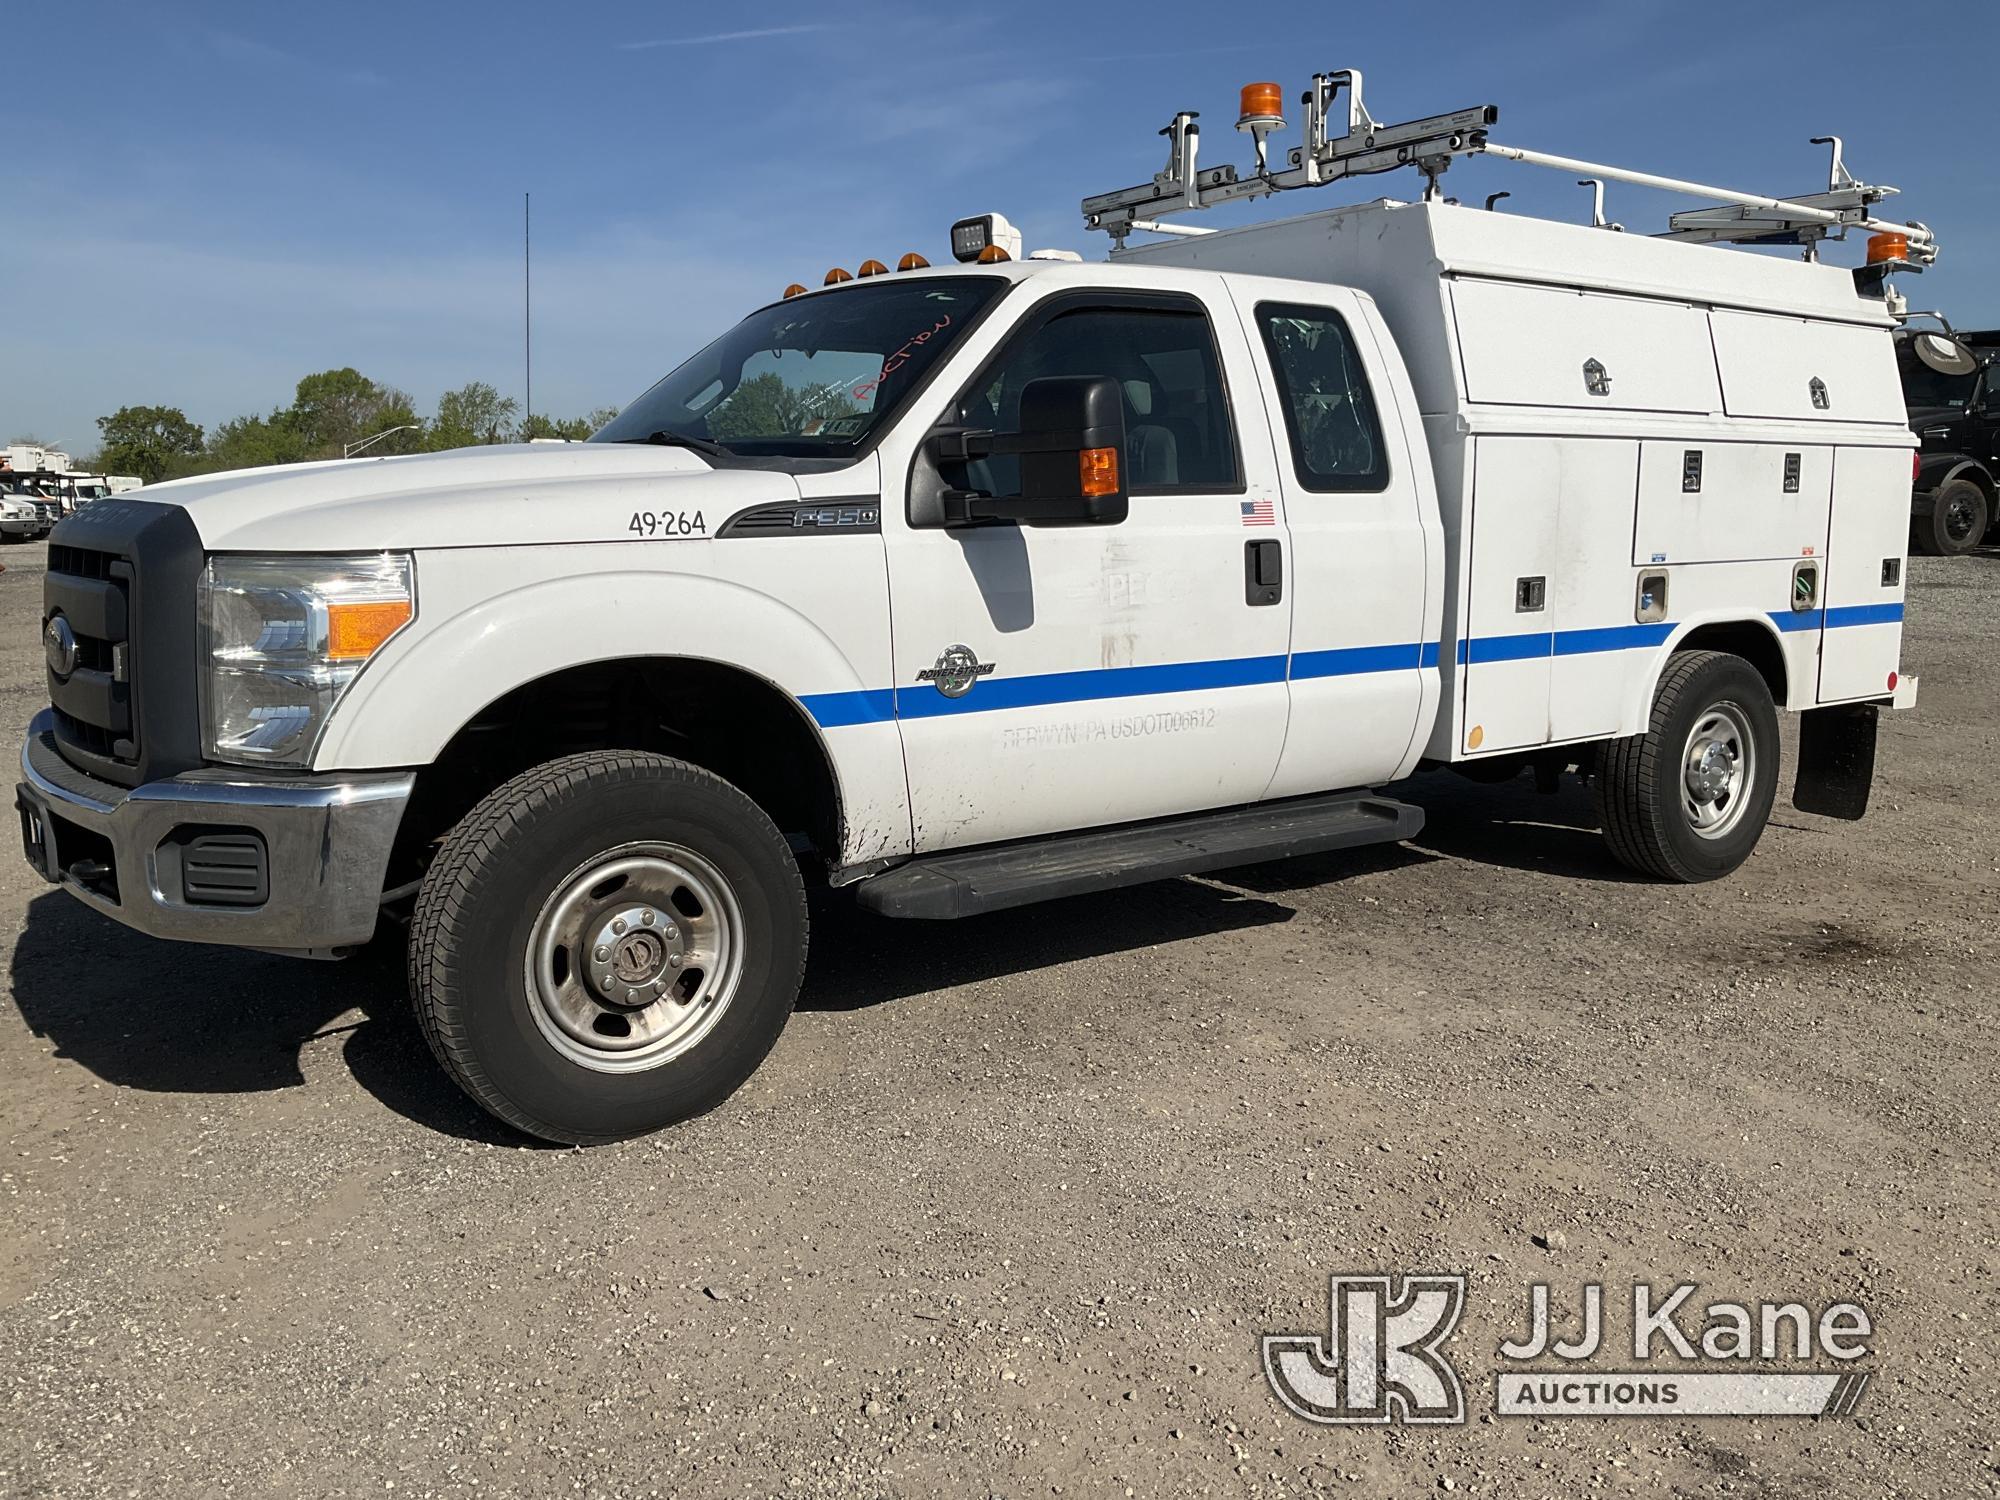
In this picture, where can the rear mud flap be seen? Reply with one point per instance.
(1836, 760)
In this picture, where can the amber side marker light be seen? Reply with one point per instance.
(795, 290)
(355, 632)
(1888, 246)
(835, 277)
(1097, 469)
(913, 262)
(873, 268)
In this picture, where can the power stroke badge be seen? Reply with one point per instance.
(957, 669)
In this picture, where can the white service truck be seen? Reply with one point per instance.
(967, 587)
(33, 487)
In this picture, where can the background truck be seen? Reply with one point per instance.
(955, 589)
(1951, 385)
(33, 483)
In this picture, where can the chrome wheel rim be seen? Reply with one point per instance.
(634, 957)
(1718, 769)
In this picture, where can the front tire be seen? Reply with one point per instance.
(607, 944)
(1960, 514)
(1688, 800)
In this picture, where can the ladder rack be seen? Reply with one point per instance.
(1431, 145)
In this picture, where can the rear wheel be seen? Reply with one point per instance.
(1688, 799)
(1960, 514)
(607, 944)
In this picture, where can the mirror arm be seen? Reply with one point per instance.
(960, 445)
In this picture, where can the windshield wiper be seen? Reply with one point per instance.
(666, 439)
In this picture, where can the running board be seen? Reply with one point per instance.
(1003, 875)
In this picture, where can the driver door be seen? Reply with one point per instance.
(1065, 677)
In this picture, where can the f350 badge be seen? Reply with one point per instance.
(957, 669)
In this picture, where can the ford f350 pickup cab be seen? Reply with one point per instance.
(973, 586)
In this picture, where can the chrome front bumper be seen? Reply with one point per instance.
(319, 846)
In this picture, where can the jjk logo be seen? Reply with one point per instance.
(1380, 1360)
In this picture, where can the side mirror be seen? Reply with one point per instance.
(1071, 444)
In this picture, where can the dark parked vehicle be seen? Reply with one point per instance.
(1951, 384)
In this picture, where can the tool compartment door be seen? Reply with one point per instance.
(1863, 640)
(1548, 346)
(1506, 650)
(1703, 501)
(1799, 370)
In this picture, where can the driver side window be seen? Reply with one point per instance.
(1178, 433)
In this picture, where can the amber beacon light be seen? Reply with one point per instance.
(1891, 246)
(1263, 104)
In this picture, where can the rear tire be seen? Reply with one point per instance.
(1959, 518)
(607, 944)
(1688, 800)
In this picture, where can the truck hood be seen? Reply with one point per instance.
(525, 494)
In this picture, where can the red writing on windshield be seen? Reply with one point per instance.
(898, 359)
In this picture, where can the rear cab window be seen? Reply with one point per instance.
(1330, 414)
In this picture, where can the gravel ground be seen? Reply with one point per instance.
(1008, 1208)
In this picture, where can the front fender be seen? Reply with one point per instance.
(490, 621)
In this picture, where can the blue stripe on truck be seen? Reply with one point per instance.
(1840, 615)
(878, 705)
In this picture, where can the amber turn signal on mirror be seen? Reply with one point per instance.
(1097, 470)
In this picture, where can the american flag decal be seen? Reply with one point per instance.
(1258, 513)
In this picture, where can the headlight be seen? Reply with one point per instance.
(284, 637)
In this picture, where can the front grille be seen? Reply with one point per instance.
(122, 578)
(93, 700)
(82, 562)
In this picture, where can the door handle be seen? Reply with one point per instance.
(1263, 572)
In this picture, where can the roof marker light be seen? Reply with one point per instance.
(794, 290)
(835, 277)
(873, 268)
(912, 261)
(993, 255)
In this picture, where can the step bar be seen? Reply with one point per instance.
(964, 883)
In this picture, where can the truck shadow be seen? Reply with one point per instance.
(1513, 826)
(182, 1019)
(177, 1018)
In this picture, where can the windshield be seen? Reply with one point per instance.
(1924, 388)
(811, 377)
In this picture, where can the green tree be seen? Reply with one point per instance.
(753, 409)
(336, 408)
(474, 413)
(152, 442)
(573, 429)
(253, 442)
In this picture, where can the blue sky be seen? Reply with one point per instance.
(206, 202)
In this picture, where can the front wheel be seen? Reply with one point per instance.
(607, 944)
(1688, 799)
